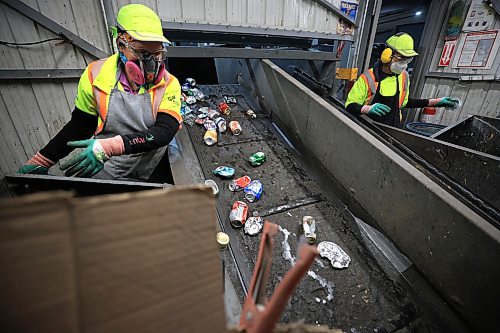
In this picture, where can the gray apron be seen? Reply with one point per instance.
(127, 114)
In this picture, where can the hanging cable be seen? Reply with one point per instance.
(2, 42)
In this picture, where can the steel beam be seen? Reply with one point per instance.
(247, 53)
(54, 27)
(26, 74)
(250, 31)
(336, 10)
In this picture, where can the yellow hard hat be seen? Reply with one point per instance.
(141, 23)
(402, 43)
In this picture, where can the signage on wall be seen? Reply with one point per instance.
(477, 49)
(447, 54)
(350, 9)
(479, 17)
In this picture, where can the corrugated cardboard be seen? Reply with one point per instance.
(141, 262)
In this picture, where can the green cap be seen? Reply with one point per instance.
(403, 44)
(141, 23)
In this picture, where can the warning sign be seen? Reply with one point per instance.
(477, 49)
(447, 54)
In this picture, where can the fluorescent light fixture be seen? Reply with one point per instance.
(418, 13)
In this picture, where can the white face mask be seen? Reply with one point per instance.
(398, 67)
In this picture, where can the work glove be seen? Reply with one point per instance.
(447, 102)
(37, 165)
(377, 109)
(91, 160)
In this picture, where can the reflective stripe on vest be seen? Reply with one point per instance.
(101, 97)
(369, 78)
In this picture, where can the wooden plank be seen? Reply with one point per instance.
(291, 14)
(442, 89)
(491, 105)
(256, 15)
(193, 11)
(170, 11)
(95, 30)
(10, 57)
(460, 91)
(474, 99)
(216, 11)
(237, 11)
(274, 13)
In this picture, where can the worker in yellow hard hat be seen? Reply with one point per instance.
(382, 91)
(127, 108)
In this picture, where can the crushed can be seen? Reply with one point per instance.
(200, 96)
(224, 171)
(257, 158)
(213, 113)
(253, 191)
(230, 99)
(213, 185)
(309, 228)
(210, 137)
(235, 127)
(251, 114)
(190, 119)
(203, 109)
(238, 214)
(221, 124)
(210, 125)
(253, 225)
(224, 108)
(200, 121)
(191, 82)
(191, 100)
(239, 184)
(338, 258)
(185, 87)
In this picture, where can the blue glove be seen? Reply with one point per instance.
(448, 102)
(87, 163)
(377, 109)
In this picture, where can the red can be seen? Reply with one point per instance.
(235, 127)
(238, 214)
(224, 108)
(239, 184)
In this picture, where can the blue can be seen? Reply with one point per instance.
(253, 191)
(224, 172)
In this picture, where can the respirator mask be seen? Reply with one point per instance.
(397, 67)
(147, 68)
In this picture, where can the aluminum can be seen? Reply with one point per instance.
(224, 108)
(200, 121)
(257, 158)
(239, 184)
(210, 125)
(251, 114)
(224, 171)
(200, 96)
(222, 240)
(235, 127)
(213, 185)
(309, 228)
(191, 82)
(253, 191)
(203, 109)
(230, 99)
(210, 137)
(221, 124)
(253, 225)
(190, 100)
(185, 87)
(238, 214)
(213, 113)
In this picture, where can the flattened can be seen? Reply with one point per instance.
(200, 121)
(224, 108)
(235, 127)
(230, 99)
(224, 171)
(239, 184)
(254, 190)
(210, 125)
(213, 185)
(210, 137)
(185, 87)
(191, 82)
(309, 228)
(238, 214)
(221, 124)
(257, 158)
(213, 113)
(253, 225)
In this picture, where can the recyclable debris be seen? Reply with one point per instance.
(199, 95)
(210, 125)
(185, 110)
(230, 99)
(222, 240)
(185, 87)
(239, 183)
(338, 258)
(210, 137)
(203, 109)
(251, 114)
(309, 228)
(235, 127)
(253, 225)
(213, 113)
(224, 171)
(253, 191)
(238, 214)
(190, 119)
(190, 100)
(224, 108)
(221, 124)
(213, 185)
(200, 121)
(257, 159)
(191, 82)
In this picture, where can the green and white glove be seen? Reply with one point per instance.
(37, 165)
(377, 109)
(447, 102)
(92, 159)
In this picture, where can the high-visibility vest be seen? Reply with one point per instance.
(369, 77)
(102, 98)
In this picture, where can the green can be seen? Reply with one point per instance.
(257, 158)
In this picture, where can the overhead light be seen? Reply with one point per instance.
(418, 13)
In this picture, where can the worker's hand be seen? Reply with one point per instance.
(37, 165)
(447, 102)
(377, 109)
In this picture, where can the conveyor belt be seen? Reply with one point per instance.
(362, 297)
